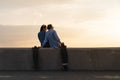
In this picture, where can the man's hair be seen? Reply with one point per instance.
(49, 26)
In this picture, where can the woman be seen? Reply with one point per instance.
(41, 35)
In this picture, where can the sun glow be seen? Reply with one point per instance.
(79, 23)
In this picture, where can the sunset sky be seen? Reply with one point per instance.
(79, 23)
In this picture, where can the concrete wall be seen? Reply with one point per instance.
(94, 59)
(49, 59)
(15, 59)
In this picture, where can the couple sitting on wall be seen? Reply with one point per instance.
(48, 38)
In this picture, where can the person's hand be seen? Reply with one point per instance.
(59, 44)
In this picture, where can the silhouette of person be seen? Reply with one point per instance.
(51, 37)
(41, 35)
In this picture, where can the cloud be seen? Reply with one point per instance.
(58, 13)
(11, 4)
(23, 3)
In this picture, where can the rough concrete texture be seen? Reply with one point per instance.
(49, 59)
(16, 59)
(59, 75)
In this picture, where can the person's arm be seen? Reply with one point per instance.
(39, 39)
(44, 42)
(56, 36)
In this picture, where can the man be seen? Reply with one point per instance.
(51, 37)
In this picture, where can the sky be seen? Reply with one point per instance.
(79, 23)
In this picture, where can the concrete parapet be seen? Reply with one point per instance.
(16, 59)
(49, 59)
